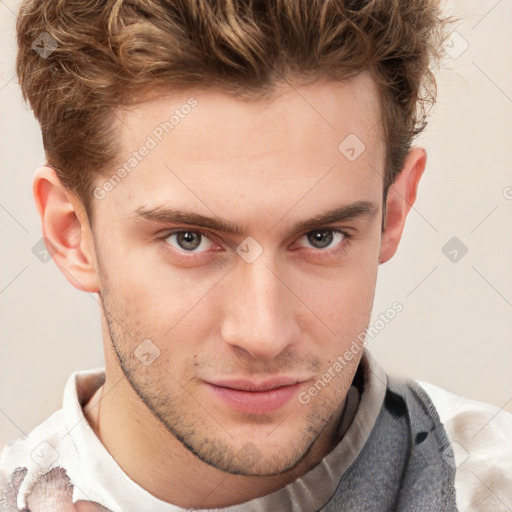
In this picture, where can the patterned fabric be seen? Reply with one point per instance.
(53, 492)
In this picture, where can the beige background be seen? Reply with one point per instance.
(455, 328)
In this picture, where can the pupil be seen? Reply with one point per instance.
(186, 240)
(324, 238)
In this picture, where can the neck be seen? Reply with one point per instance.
(161, 465)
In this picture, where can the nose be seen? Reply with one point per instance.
(259, 313)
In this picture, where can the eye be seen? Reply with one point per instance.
(189, 241)
(325, 238)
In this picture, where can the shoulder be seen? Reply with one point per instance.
(480, 436)
(27, 460)
(38, 468)
(39, 447)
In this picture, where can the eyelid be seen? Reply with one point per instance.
(166, 234)
(347, 236)
(345, 231)
(341, 229)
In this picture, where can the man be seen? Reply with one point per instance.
(227, 177)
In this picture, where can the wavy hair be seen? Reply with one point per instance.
(111, 54)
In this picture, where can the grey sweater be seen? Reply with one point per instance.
(406, 464)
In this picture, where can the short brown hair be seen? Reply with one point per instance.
(113, 53)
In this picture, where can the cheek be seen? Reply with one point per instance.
(341, 305)
(157, 301)
(345, 312)
(345, 292)
(141, 275)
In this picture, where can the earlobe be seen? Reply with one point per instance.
(401, 197)
(66, 230)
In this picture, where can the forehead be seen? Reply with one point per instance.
(221, 123)
(205, 145)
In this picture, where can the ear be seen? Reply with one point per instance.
(66, 230)
(401, 197)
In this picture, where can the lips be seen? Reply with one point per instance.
(252, 397)
(248, 385)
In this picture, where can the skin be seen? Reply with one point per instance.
(292, 311)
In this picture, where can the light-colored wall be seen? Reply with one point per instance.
(456, 324)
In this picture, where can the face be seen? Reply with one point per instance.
(227, 292)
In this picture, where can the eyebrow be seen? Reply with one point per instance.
(174, 216)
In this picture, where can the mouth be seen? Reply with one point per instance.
(252, 397)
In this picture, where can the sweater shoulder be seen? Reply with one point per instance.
(480, 436)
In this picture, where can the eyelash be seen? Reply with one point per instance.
(341, 249)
